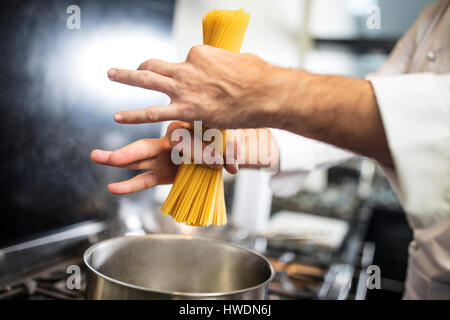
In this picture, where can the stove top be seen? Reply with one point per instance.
(28, 273)
(48, 284)
(295, 279)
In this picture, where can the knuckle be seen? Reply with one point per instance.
(149, 64)
(249, 55)
(178, 87)
(151, 115)
(172, 127)
(187, 112)
(171, 87)
(114, 158)
(166, 144)
(142, 79)
(195, 51)
(142, 66)
(181, 70)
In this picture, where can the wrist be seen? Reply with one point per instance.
(291, 87)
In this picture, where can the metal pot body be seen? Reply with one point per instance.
(174, 267)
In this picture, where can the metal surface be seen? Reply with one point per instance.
(337, 283)
(367, 256)
(47, 284)
(80, 230)
(175, 267)
(21, 260)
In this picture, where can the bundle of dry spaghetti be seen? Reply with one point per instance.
(197, 195)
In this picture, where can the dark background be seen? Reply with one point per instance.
(49, 124)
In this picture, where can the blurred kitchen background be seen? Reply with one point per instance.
(57, 104)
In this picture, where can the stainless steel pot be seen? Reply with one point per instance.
(164, 266)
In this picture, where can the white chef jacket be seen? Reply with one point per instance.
(412, 89)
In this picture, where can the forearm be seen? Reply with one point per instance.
(337, 110)
(227, 90)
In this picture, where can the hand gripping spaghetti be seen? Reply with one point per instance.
(197, 195)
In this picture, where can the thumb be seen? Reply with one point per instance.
(232, 152)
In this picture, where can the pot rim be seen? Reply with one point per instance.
(92, 248)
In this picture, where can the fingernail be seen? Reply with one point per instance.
(118, 117)
(233, 168)
(236, 166)
(111, 73)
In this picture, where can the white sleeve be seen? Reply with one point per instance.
(298, 157)
(415, 109)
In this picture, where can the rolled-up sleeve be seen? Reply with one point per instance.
(415, 110)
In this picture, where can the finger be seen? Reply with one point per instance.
(103, 157)
(139, 150)
(100, 156)
(158, 66)
(233, 169)
(147, 115)
(138, 183)
(176, 125)
(232, 153)
(143, 79)
(148, 164)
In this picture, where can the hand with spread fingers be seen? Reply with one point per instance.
(144, 154)
(231, 94)
(153, 155)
